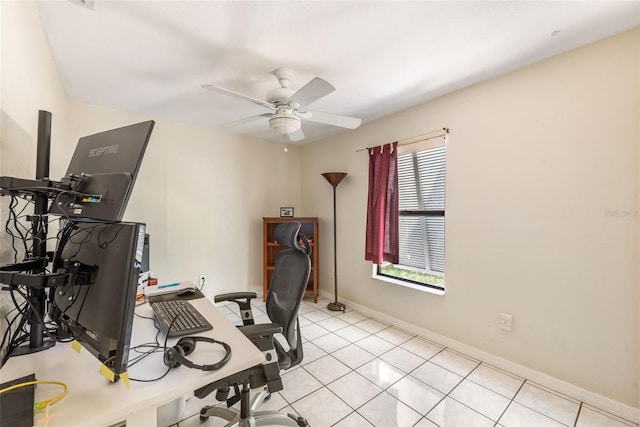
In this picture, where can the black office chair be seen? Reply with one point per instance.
(287, 287)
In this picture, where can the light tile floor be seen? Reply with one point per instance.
(359, 371)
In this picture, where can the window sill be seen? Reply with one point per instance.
(398, 282)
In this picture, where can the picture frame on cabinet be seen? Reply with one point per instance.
(286, 212)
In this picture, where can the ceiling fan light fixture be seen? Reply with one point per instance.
(284, 123)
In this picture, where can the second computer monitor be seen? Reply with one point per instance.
(99, 314)
(102, 172)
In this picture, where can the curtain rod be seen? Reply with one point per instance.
(421, 137)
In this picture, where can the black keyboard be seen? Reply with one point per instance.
(187, 321)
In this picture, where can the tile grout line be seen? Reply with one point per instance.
(510, 402)
(575, 423)
(450, 391)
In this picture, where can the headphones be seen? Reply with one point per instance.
(175, 356)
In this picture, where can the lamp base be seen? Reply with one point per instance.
(336, 306)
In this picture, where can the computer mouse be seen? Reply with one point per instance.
(186, 292)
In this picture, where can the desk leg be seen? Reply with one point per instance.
(145, 417)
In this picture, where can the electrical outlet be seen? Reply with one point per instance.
(506, 321)
(202, 281)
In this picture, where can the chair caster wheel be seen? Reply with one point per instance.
(203, 414)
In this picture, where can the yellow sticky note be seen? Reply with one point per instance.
(107, 373)
(76, 346)
(125, 379)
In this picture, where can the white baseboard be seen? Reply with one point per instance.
(594, 399)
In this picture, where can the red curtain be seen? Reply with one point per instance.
(382, 205)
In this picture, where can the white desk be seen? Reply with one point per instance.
(93, 401)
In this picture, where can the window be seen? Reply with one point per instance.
(421, 187)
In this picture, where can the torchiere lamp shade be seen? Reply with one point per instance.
(334, 178)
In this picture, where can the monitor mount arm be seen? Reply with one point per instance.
(71, 273)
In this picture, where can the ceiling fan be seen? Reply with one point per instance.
(287, 107)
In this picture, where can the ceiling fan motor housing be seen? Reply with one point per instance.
(279, 95)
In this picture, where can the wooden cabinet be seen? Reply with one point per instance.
(270, 249)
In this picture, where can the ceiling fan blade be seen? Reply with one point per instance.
(312, 91)
(245, 120)
(306, 114)
(296, 136)
(240, 96)
(334, 119)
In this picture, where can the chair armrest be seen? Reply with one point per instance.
(261, 330)
(262, 336)
(244, 306)
(232, 296)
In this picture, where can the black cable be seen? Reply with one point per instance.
(105, 244)
(16, 339)
(152, 380)
(23, 312)
(28, 233)
(40, 319)
(87, 233)
(6, 335)
(166, 338)
(68, 234)
(21, 334)
(12, 205)
(16, 226)
(155, 346)
(57, 203)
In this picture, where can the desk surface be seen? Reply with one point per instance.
(94, 401)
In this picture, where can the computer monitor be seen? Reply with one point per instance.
(102, 172)
(100, 315)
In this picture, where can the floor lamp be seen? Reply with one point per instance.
(334, 179)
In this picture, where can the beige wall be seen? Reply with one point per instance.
(542, 216)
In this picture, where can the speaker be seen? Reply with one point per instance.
(176, 355)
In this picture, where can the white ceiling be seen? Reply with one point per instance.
(151, 57)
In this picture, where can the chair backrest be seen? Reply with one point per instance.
(286, 290)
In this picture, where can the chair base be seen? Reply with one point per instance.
(336, 306)
(247, 416)
(262, 418)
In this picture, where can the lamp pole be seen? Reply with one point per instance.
(335, 178)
